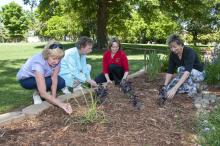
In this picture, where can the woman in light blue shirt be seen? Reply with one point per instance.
(74, 68)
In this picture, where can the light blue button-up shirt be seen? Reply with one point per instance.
(74, 67)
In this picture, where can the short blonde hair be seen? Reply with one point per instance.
(53, 49)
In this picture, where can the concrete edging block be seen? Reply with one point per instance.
(36, 109)
(11, 117)
(136, 74)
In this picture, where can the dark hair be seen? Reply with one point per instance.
(175, 38)
(83, 42)
(114, 40)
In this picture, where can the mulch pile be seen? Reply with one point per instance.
(170, 125)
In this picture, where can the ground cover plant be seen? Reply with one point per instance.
(208, 128)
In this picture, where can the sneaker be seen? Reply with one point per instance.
(36, 98)
(65, 90)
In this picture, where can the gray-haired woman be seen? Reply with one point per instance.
(189, 69)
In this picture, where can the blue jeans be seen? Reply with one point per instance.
(30, 83)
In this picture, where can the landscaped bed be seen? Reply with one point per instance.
(123, 125)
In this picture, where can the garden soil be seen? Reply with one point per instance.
(171, 125)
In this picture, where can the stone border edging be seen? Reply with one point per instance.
(35, 109)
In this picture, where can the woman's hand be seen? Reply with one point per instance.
(67, 108)
(109, 81)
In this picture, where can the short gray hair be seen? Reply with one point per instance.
(83, 42)
(175, 38)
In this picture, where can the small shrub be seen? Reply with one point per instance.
(212, 73)
(153, 65)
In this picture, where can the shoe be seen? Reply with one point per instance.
(36, 98)
(65, 90)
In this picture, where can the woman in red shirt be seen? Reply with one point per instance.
(114, 64)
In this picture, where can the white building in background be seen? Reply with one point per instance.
(32, 38)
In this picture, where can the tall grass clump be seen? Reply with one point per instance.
(92, 113)
(153, 65)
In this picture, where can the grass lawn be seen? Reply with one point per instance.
(12, 56)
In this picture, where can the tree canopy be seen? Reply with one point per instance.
(14, 20)
(130, 20)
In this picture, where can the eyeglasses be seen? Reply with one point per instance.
(55, 46)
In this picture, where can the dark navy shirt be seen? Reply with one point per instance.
(189, 60)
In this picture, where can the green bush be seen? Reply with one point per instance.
(212, 73)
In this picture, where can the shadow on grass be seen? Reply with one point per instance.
(12, 95)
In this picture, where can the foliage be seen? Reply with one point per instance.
(14, 20)
(198, 52)
(200, 17)
(208, 128)
(164, 63)
(160, 27)
(91, 115)
(56, 27)
(153, 65)
(212, 73)
(138, 21)
(135, 28)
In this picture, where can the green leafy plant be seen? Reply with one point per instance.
(213, 73)
(153, 65)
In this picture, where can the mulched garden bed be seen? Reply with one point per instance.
(170, 125)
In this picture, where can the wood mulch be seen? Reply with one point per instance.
(170, 125)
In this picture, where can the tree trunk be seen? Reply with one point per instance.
(102, 23)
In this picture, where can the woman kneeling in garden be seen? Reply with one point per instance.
(74, 69)
(40, 73)
(114, 64)
(189, 72)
